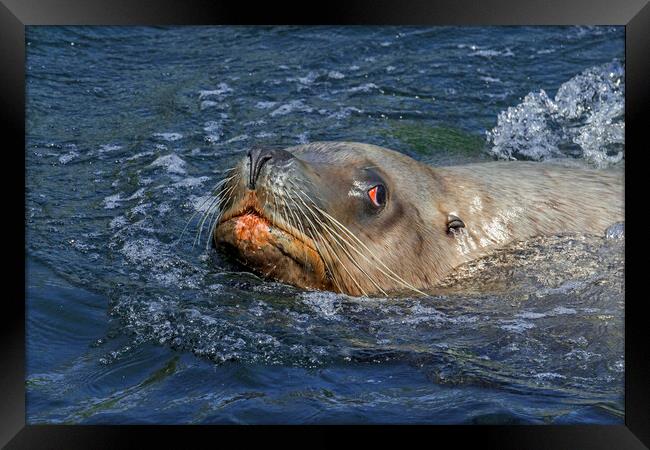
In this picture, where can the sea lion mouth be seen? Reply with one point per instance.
(251, 218)
(271, 248)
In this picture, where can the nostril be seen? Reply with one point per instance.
(257, 157)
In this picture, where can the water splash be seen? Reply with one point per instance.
(584, 120)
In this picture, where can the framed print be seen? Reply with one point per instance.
(378, 217)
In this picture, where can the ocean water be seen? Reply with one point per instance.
(129, 129)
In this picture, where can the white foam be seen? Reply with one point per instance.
(254, 123)
(292, 106)
(562, 310)
(141, 208)
(214, 131)
(265, 105)
(424, 314)
(618, 366)
(208, 104)
(191, 182)
(303, 138)
(490, 79)
(616, 231)
(531, 315)
(488, 53)
(118, 222)
(485, 53)
(335, 74)
(580, 355)
(241, 137)
(139, 155)
(308, 79)
(109, 148)
(136, 195)
(172, 163)
(344, 113)
(516, 325)
(222, 89)
(112, 201)
(141, 250)
(325, 304)
(65, 159)
(469, 46)
(168, 136)
(264, 134)
(549, 376)
(363, 88)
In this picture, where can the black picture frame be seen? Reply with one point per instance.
(16, 14)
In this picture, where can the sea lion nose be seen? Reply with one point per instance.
(260, 156)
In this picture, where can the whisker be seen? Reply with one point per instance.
(208, 198)
(315, 241)
(216, 220)
(215, 205)
(392, 275)
(198, 210)
(332, 252)
(298, 225)
(204, 215)
(337, 239)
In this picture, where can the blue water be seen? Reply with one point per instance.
(129, 128)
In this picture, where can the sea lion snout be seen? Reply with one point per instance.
(257, 159)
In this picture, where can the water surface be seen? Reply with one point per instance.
(128, 130)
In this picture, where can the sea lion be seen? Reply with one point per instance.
(365, 220)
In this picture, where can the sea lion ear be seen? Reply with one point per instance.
(454, 222)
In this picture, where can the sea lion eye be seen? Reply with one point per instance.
(377, 195)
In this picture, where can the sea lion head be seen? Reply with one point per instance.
(345, 217)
